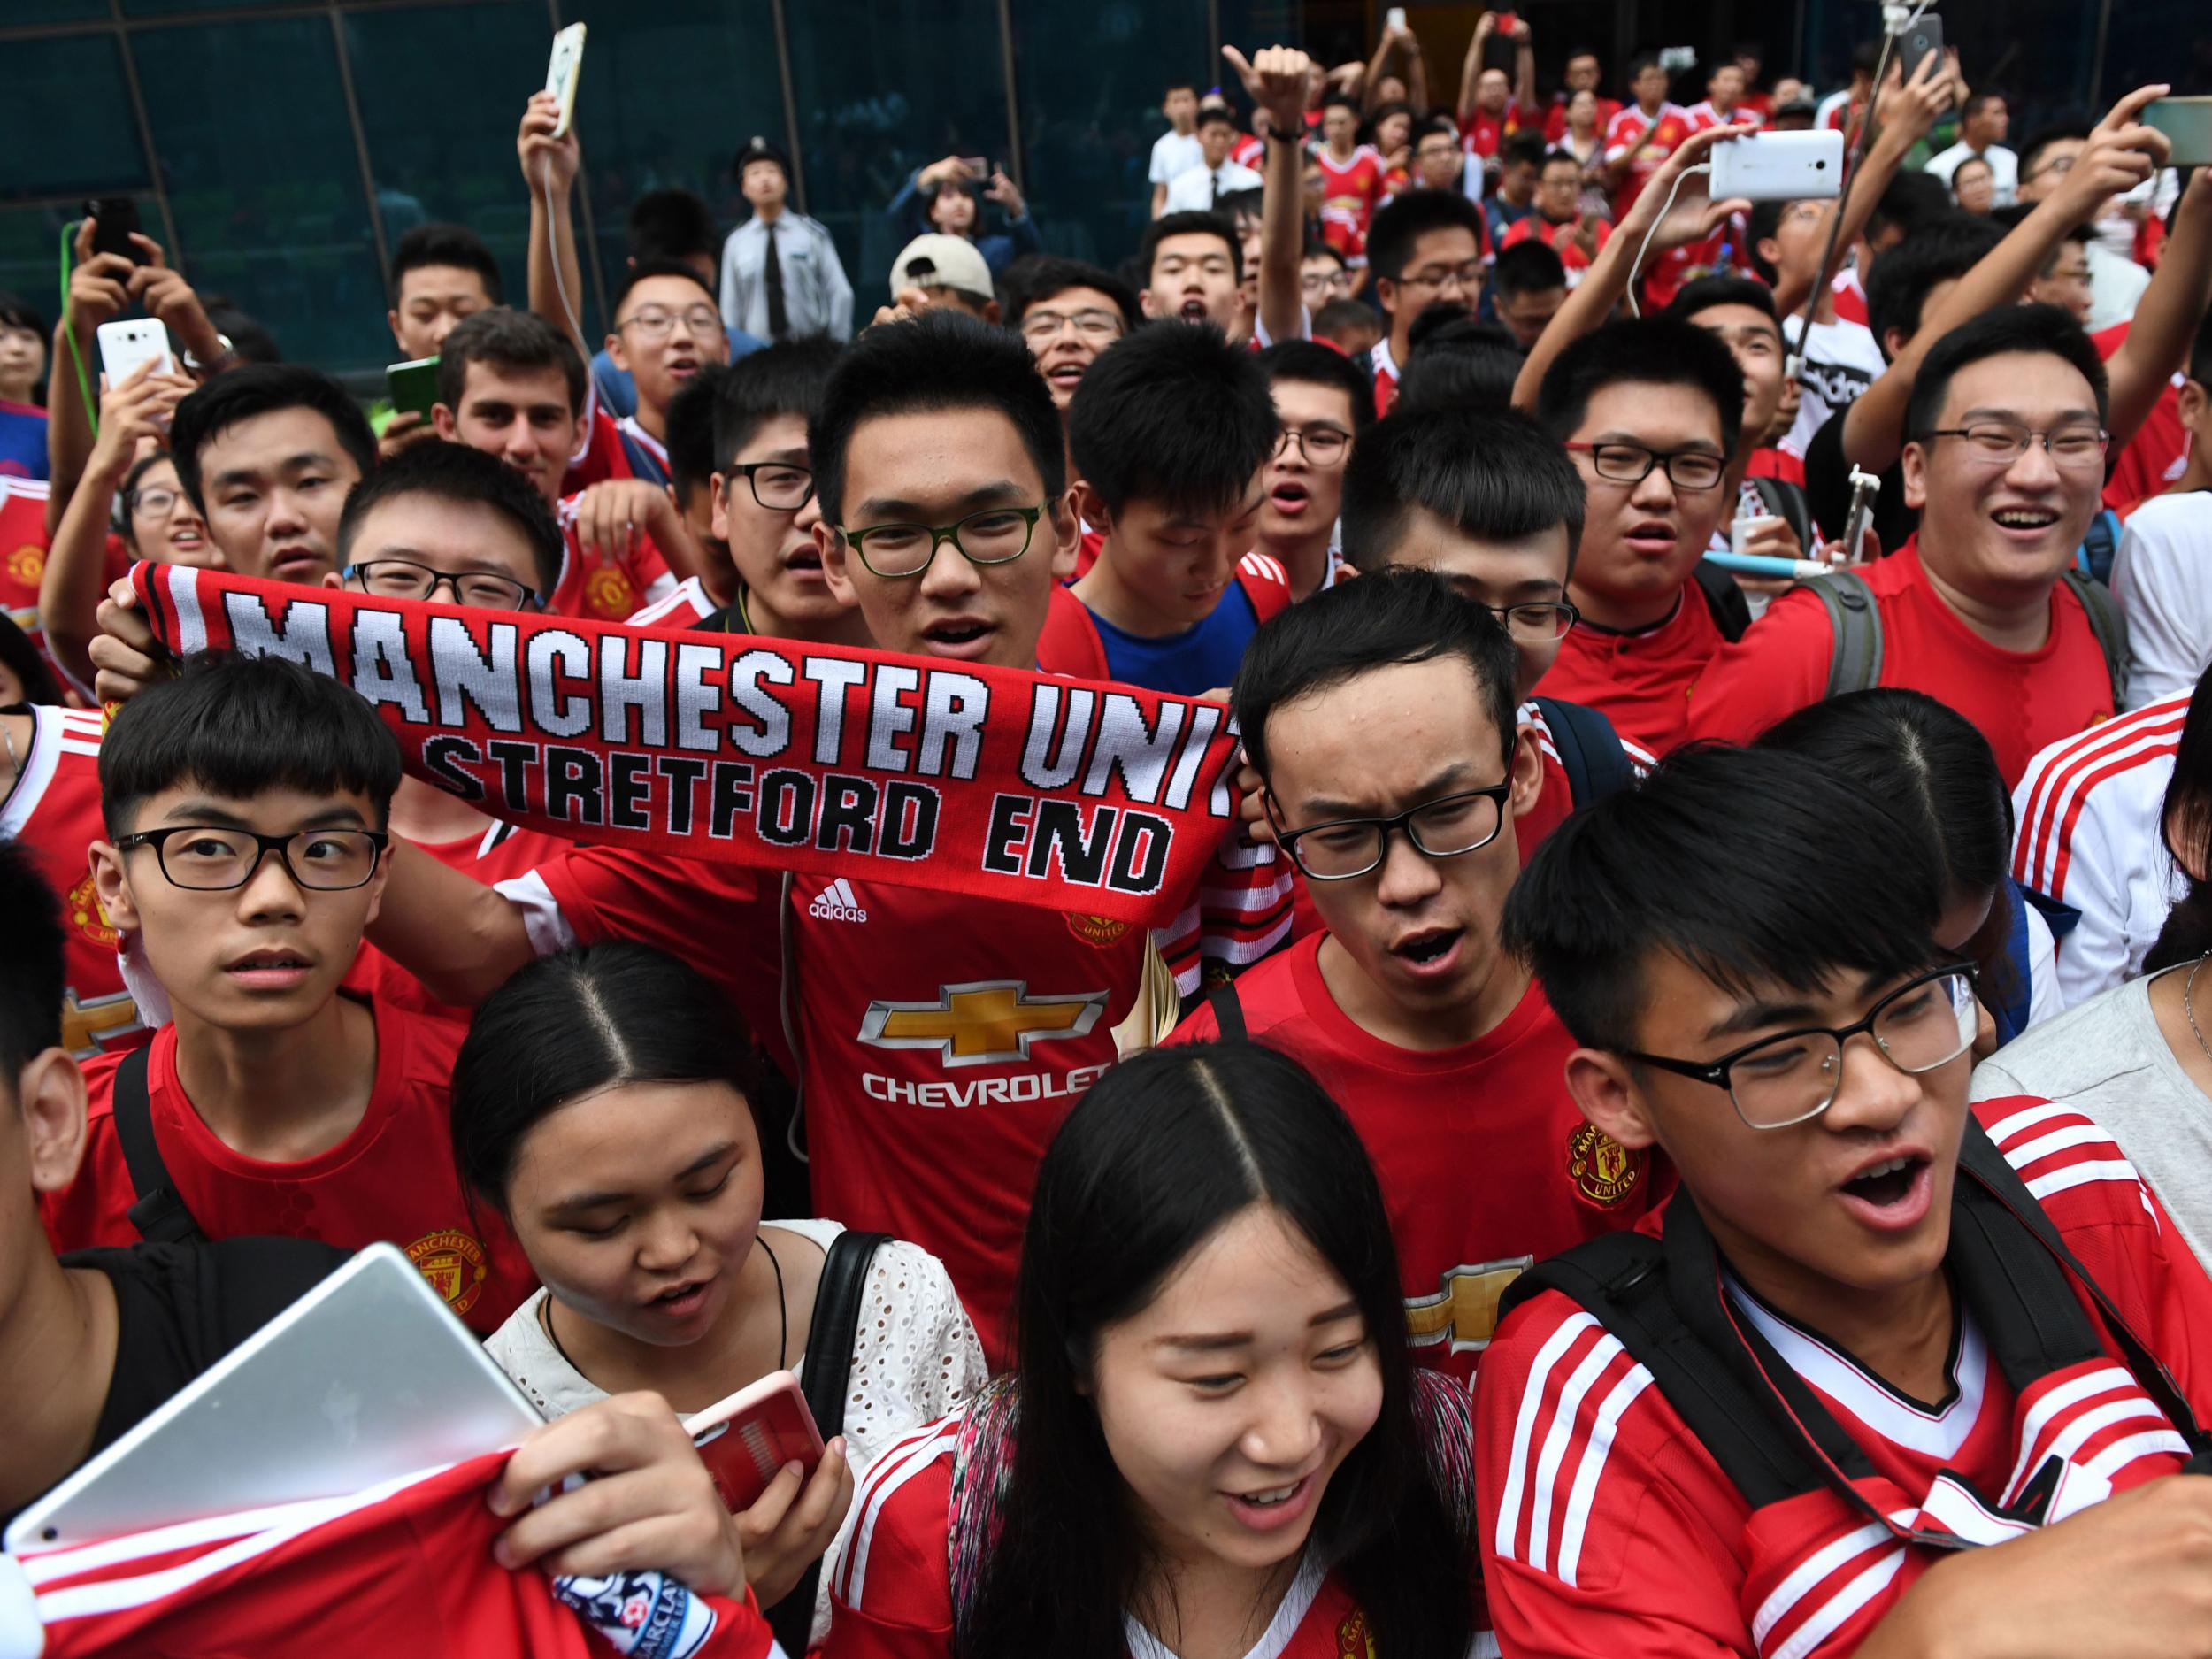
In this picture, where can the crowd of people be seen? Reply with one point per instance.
(1672, 1121)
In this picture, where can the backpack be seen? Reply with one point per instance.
(1589, 749)
(1732, 611)
(1662, 1301)
(1071, 644)
(2097, 548)
(1790, 503)
(1855, 620)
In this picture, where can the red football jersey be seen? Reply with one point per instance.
(2021, 700)
(1555, 119)
(404, 1567)
(1607, 1528)
(1561, 238)
(1702, 115)
(392, 1179)
(686, 605)
(1350, 191)
(603, 455)
(607, 585)
(1641, 681)
(1624, 134)
(1487, 1165)
(53, 813)
(23, 543)
(2158, 454)
(891, 1594)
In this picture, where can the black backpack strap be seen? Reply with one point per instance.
(1789, 502)
(1854, 621)
(1732, 611)
(2109, 623)
(827, 1368)
(1228, 1012)
(1589, 749)
(159, 1215)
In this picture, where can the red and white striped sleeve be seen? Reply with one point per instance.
(1603, 1531)
(891, 1592)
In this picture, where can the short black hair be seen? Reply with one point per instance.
(1173, 413)
(239, 726)
(1979, 102)
(1215, 115)
(1340, 315)
(1685, 865)
(2032, 150)
(1528, 149)
(1455, 361)
(689, 432)
(1238, 206)
(1037, 277)
(1338, 98)
(1765, 220)
(786, 379)
(262, 388)
(31, 970)
(1311, 363)
(943, 360)
(1192, 223)
(1640, 62)
(19, 656)
(1490, 472)
(672, 224)
(18, 312)
(1397, 227)
(458, 473)
(1942, 250)
(2044, 329)
(510, 340)
(1316, 248)
(644, 270)
(1386, 618)
(1909, 201)
(1190, 87)
(1528, 268)
(1709, 293)
(1642, 351)
(454, 245)
(1553, 156)
(1864, 56)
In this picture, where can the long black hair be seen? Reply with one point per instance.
(1928, 764)
(578, 1021)
(2185, 825)
(18, 653)
(1161, 1154)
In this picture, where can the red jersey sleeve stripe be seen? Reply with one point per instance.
(2046, 1419)
(1580, 1500)
(2060, 783)
(1815, 1569)
(1840, 1608)
(897, 1466)
(1578, 1385)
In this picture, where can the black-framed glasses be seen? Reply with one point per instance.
(215, 860)
(776, 484)
(2002, 442)
(1344, 848)
(1924, 1024)
(1632, 464)
(994, 535)
(1535, 621)
(1322, 446)
(403, 578)
(657, 322)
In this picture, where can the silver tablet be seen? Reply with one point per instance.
(366, 1378)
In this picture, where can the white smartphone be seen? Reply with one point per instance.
(1395, 18)
(561, 74)
(125, 346)
(1778, 168)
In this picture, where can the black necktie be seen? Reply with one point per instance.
(771, 274)
(1215, 200)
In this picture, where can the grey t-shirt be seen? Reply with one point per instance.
(2108, 1058)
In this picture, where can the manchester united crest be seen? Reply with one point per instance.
(1604, 1171)
(1101, 931)
(26, 564)
(83, 912)
(1353, 1640)
(608, 592)
(455, 1265)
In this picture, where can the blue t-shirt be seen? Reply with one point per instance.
(1190, 663)
(22, 439)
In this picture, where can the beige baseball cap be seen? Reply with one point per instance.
(937, 261)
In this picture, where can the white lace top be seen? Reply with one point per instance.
(915, 1359)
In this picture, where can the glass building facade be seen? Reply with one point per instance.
(278, 149)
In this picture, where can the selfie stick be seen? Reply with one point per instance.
(1759, 564)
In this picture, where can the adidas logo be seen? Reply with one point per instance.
(836, 904)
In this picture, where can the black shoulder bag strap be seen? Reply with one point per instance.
(1589, 749)
(827, 1368)
(1228, 1012)
(159, 1215)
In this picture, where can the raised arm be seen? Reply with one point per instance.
(1909, 114)
(459, 937)
(2166, 318)
(1524, 65)
(1377, 67)
(549, 166)
(75, 578)
(2120, 155)
(1282, 82)
(1471, 67)
(1694, 217)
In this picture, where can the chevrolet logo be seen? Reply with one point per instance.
(982, 1023)
(87, 1025)
(1464, 1312)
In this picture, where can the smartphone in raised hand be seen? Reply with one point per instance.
(745, 1439)
(561, 74)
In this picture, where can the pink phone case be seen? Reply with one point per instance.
(744, 1439)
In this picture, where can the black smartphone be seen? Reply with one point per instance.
(1923, 39)
(115, 219)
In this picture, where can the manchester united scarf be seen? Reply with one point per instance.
(1059, 793)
